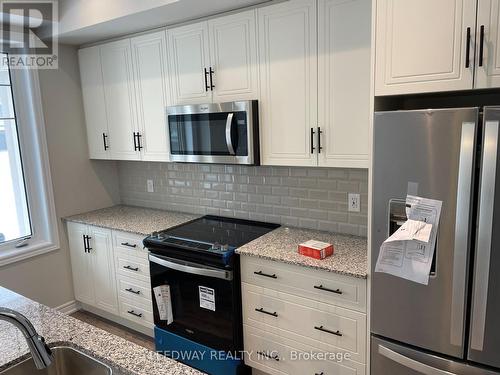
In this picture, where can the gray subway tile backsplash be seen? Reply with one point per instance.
(314, 198)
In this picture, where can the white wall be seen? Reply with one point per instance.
(79, 184)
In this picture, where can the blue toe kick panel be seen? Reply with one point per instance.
(201, 357)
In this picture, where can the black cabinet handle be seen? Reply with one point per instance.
(336, 333)
(104, 137)
(276, 358)
(261, 310)
(88, 244)
(319, 140)
(135, 142)
(321, 287)
(321, 373)
(84, 243)
(132, 312)
(206, 80)
(211, 80)
(260, 273)
(481, 45)
(131, 268)
(467, 49)
(312, 140)
(139, 146)
(130, 290)
(128, 244)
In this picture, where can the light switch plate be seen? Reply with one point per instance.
(353, 202)
(150, 187)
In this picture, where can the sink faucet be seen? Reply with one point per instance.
(42, 356)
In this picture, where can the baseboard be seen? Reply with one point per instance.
(69, 307)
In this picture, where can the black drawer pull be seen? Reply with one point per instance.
(261, 310)
(132, 312)
(130, 290)
(336, 333)
(321, 373)
(321, 287)
(263, 354)
(129, 244)
(260, 273)
(131, 268)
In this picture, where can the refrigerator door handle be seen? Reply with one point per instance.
(410, 363)
(484, 234)
(461, 242)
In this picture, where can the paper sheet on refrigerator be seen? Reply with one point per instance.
(408, 252)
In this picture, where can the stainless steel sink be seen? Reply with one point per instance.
(67, 361)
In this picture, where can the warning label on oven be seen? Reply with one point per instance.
(207, 298)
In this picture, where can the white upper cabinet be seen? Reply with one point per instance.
(344, 55)
(189, 63)
(488, 44)
(149, 57)
(423, 46)
(233, 52)
(288, 78)
(116, 61)
(93, 102)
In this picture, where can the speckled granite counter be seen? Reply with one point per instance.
(60, 330)
(350, 257)
(132, 219)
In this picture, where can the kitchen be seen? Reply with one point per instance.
(163, 184)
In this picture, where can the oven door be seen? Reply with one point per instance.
(202, 300)
(212, 133)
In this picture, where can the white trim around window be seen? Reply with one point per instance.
(34, 153)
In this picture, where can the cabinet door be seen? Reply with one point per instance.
(103, 270)
(344, 82)
(120, 99)
(149, 54)
(233, 52)
(288, 80)
(93, 101)
(188, 59)
(488, 19)
(81, 264)
(421, 46)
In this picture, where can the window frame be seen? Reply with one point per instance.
(35, 160)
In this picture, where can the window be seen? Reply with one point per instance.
(28, 224)
(15, 223)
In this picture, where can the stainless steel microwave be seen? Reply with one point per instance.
(225, 133)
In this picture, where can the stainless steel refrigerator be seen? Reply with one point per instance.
(452, 325)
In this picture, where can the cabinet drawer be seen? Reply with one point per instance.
(321, 325)
(135, 291)
(318, 285)
(283, 356)
(136, 314)
(130, 242)
(133, 267)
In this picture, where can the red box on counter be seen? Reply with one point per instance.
(316, 249)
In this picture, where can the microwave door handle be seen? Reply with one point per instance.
(229, 141)
(410, 363)
(484, 234)
(190, 268)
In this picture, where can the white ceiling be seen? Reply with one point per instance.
(87, 21)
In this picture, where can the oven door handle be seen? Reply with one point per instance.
(229, 140)
(190, 268)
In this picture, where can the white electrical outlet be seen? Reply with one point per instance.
(353, 202)
(151, 187)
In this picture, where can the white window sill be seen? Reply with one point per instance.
(13, 255)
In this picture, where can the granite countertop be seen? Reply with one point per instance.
(130, 219)
(349, 258)
(58, 329)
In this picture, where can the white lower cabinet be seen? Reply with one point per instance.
(312, 323)
(111, 273)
